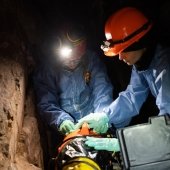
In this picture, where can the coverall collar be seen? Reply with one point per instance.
(145, 60)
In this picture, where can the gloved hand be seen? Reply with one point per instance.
(108, 144)
(96, 121)
(67, 126)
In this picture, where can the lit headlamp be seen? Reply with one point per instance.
(106, 46)
(71, 45)
(65, 52)
(66, 48)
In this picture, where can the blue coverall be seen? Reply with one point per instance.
(63, 94)
(156, 79)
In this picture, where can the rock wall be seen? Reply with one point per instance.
(19, 136)
(20, 147)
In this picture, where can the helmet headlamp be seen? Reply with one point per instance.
(71, 45)
(106, 45)
(65, 52)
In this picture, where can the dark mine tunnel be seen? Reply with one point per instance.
(29, 33)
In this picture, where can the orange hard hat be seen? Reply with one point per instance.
(123, 28)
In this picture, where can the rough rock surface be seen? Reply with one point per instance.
(19, 136)
(20, 147)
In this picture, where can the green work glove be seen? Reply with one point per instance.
(96, 121)
(108, 144)
(67, 126)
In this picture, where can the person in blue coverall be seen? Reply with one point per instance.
(130, 35)
(73, 85)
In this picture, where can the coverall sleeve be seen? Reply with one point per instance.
(45, 86)
(162, 81)
(128, 102)
(102, 87)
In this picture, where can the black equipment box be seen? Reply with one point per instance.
(146, 146)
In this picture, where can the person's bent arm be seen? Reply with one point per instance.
(47, 101)
(162, 83)
(121, 110)
(129, 102)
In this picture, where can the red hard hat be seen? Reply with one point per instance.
(123, 28)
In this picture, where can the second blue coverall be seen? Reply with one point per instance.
(156, 79)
